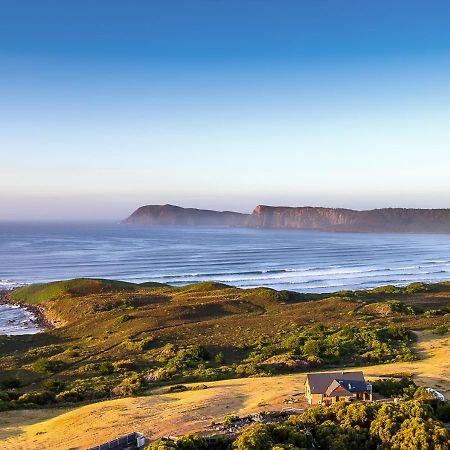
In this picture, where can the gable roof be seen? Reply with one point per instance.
(319, 383)
(336, 388)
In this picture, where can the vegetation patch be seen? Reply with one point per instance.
(410, 425)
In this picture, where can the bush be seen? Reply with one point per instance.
(191, 442)
(5, 406)
(390, 387)
(106, 368)
(124, 365)
(443, 412)
(161, 374)
(53, 385)
(10, 383)
(136, 346)
(47, 366)
(37, 397)
(70, 396)
(129, 386)
(161, 445)
(219, 358)
(433, 313)
(441, 329)
(230, 420)
(271, 436)
(123, 318)
(178, 388)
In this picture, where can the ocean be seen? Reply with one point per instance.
(304, 261)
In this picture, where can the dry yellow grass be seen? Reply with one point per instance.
(165, 414)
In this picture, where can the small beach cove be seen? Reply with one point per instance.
(18, 320)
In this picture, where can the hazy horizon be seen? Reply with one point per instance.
(108, 106)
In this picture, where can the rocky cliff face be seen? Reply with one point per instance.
(395, 220)
(398, 220)
(175, 215)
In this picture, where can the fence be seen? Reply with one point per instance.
(129, 441)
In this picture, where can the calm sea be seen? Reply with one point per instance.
(303, 261)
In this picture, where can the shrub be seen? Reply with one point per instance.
(70, 396)
(432, 312)
(191, 442)
(219, 358)
(178, 388)
(136, 346)
(161, 374)
(44, 365)
(441, 329)
(123, 318)
(390, 387)
(161, 445)
(124, 365)
(443, 412)
(106, 368)
(37, 397)
(53, 385)
(10, 383)
(5, 406)
(230, 420)
(72, 352)
(271, 436)
(129, 386)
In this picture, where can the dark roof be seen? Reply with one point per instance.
(351, 381)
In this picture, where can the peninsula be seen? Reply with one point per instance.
(394, 220)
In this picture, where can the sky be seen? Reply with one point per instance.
(107, 105)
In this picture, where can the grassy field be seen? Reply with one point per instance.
(143, 329)
(164, 414)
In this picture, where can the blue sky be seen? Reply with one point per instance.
(108, 105)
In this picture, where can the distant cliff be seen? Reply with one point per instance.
(175, 215)
(395, 220)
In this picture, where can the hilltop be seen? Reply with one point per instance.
(396, 220)
(175, 215)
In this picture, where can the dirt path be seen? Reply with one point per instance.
(164, 414)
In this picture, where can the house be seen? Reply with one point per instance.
(331, 387)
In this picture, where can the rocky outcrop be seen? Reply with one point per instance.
(396, 220)
(175, 215)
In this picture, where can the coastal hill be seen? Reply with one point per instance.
(117, 339)
(175, 215)
(397, 220)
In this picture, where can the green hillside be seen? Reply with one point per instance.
(117, 338)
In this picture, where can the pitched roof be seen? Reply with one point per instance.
(335, 389)
(350, 381)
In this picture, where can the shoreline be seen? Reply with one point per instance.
(39, 316)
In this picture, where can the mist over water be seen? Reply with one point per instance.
(305, 261)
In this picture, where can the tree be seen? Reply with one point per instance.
(386, 423)
(332, 436)
(273, 436)
(191, 442)
(311, 347)
(420, 434)
(255, 438)
(161, 445)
